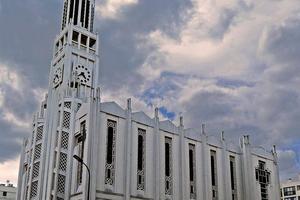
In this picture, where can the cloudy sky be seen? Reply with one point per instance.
(231, 64)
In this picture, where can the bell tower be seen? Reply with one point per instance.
(75, 51)
(73, 78)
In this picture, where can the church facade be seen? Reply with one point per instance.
(130, 155)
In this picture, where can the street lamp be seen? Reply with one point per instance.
(81, 161)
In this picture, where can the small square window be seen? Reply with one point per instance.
(84, 39)
(75, 36)
(92, 43)
(298, 187)
(4, 194)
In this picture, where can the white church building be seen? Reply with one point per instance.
(130, 155)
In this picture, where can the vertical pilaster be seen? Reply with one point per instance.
(247, 169)
(182, 177)
(128, 150)
(225, 190)
(205, 164)
(93, 143)
(157, 156)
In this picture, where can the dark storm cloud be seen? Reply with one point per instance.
(26, 39)
(11, 140)
(26, 36)
(122, 50)
(21, 103)
(28, 29)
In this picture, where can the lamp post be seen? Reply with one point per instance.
(88, 170)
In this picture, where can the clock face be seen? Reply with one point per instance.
(58, 76)
(84, 75)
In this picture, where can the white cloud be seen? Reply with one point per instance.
(112, 8)
(9, 77)
(20, 123)
(39, 93)
(9, 171)
(219, 38)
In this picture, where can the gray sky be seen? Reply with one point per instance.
(233, 65)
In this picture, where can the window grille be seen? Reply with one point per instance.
(37, 152)
(35, 170)
(168, 166)
(33, 191)
(61, 184)
(263, 177)
(110, 152)
(141, 159)
(39, 133)
(65, 12)
(214, 175)
(63, 161)
(64, 140)
(192, 166)
(233, 177)
(68, 105)
(66, 120)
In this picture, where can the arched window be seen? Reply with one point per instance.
(141, 160)
(168, 166)
(110, 152)
(214, 178)
(192, 169)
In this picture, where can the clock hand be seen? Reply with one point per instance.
(82, 74)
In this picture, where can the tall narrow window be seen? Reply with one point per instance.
(214, 177)
(141, 160)
(87, 14)
(76, 12)
(92, 18)
(71, 9)
(263, 177)
(233, 178)
(192, 167)
(168, 166)
(110, 152)
(83, 4)
(80, 144)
